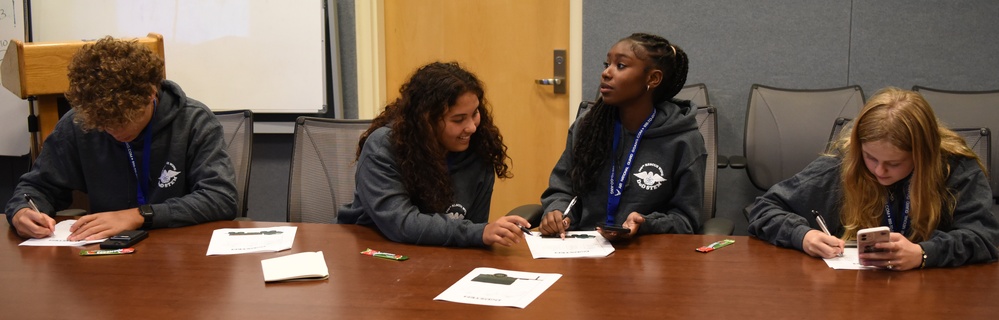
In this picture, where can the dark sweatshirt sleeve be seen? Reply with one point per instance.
(776, 216)
(559, 192)
(683, 215)
(384, 198)
(212, 190)
(974, 232)
(54, 175)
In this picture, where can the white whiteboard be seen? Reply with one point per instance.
(14, 120)
(263, 55)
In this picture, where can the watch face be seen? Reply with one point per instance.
(146, 210)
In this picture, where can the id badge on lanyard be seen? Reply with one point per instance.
(615, 190)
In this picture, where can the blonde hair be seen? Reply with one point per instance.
(905, 120)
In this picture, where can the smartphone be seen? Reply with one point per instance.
(125, 239)
(614, 228)
(867, 238)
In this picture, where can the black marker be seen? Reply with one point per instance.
(524, 229)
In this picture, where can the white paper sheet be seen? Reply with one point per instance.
(592, 246)
(500, 288)
(58, 238)
(251, 240)
(849, 261)
(296, 267)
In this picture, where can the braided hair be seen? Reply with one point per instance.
(592, 149)
(417, 116)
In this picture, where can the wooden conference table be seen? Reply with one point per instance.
(652, 277)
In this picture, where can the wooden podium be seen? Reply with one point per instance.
(38, 71)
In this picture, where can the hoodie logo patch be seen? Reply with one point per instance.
(456, 211)
(650, 176)
(168, 176)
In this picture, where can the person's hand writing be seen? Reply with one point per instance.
(899, 254)
(554, 223)
(505, 231)
(634, 221)
(32, 224)
(818, 244)
(105, 224)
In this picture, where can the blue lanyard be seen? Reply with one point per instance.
(142, 182)
(905, 214)
(614, 193)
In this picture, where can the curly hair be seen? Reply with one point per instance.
(418, 115)
(110, 81)
(592, 149)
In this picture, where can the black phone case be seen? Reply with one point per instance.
(124, 239)
(613, 228)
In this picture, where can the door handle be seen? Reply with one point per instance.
(559, 70)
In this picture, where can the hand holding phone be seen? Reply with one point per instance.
(868, 238)
(615, 228)
(124, 239)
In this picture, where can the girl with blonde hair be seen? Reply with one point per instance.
(898, 168)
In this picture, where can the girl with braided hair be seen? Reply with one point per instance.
(634, 158)
(426, 166)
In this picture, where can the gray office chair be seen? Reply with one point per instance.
(696, 93)
(322, 167)
(781, 136)
(237, 130)
(707, 124)
(968, 109)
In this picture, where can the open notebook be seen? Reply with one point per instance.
(296, 267)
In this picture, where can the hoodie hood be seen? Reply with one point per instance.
(673, 117)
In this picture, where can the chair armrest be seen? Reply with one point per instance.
(718, 226)
(242, 219)
(722, 162)
(737, 162)
(530, 212)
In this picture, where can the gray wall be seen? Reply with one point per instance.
(732, 45)
(803, 45)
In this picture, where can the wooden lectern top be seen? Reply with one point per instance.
(40, 68)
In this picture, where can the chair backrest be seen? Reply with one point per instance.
(967, 109)
(697, 93)
(707, 124)
(781, 136)
(322, 167)
(237, 128)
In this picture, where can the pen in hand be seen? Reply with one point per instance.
(31, 203)
(822, 224)
(565, 224)
(525, 230)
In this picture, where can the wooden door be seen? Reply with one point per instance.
(507, 44)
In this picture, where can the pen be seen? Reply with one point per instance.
(31, 203)
(822, 224)
(566, 215)
(524, 229)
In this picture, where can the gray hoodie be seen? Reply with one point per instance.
(665, 185)
(782, 215)
(191, 179)
(381, 199)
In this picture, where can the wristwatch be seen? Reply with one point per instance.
(147, 215)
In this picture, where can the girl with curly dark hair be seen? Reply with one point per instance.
(634, 160)
(426, 166)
